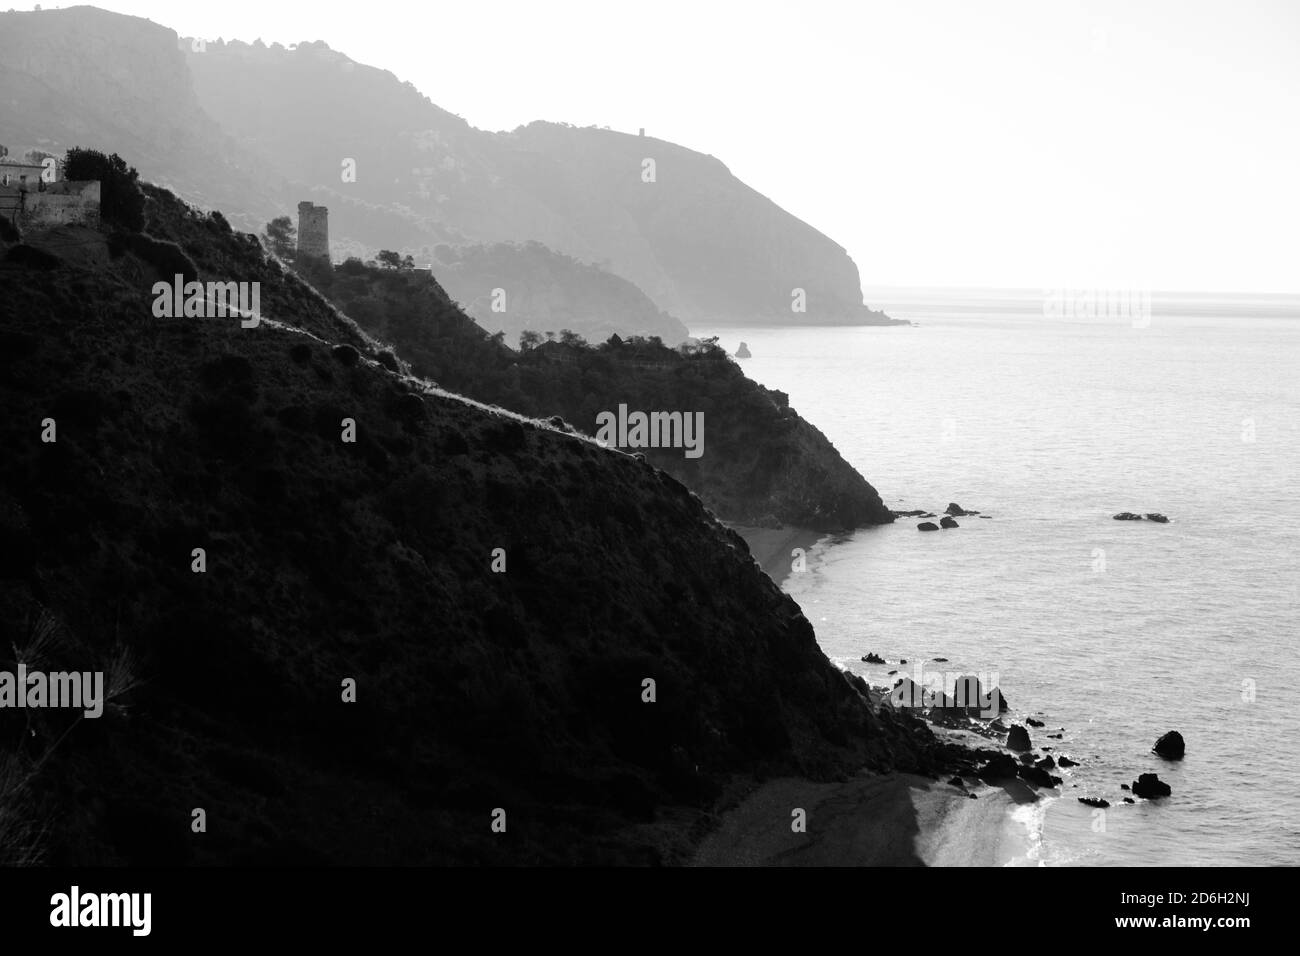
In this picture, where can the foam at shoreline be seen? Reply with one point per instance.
(869, 820)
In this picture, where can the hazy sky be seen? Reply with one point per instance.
(945, 142)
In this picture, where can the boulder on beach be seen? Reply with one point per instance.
(1095, 802)
(999, 767)
(872, 658)
(948, 523)
(927, 526)
(1018, 738)
(1148, 786)
(1170, 746)
(1047, 763)
(958, 782)
(1027, 759)
(1039, 778)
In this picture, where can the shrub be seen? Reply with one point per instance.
(121, 201)
(167, 257)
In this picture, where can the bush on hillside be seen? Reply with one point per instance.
(121, 201)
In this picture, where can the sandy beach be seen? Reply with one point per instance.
(771, 547)
(870, 820)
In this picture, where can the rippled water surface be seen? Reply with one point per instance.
(1115, 631)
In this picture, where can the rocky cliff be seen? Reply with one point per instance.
(315, 640)
(760, 462)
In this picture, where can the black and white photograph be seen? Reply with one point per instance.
(443, 439)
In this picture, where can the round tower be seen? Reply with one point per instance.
(313, 232)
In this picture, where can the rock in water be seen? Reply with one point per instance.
(1018, 738)
(1095, 802)
(948, 523)
(1039, 778)
(955, 509)
(1157, 517)
(1170, 746)
(872, 658)
(1067, 762)
(743, 351)
(927, 526)
(1127, 516)
(1149, 786)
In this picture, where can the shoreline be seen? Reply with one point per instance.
(868, 820)
(771, 547)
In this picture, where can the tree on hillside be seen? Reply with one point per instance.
(569, 337)
(389, 259)
(120, 199)
(529, 340)
(281, 237)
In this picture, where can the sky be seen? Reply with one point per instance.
(1000, 143)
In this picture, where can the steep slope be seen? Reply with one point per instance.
(761, 463)
(84, 76)
(329, 561)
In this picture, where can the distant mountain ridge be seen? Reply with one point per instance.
(253, 129)
(703, 245)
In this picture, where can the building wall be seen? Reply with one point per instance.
(59, 204)
(313, 231)
(13, 173)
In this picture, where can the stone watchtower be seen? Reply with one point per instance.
(313, 232)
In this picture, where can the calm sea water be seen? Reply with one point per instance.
(1115, 631)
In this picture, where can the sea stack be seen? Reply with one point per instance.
(1170, 746)
(1018, 738)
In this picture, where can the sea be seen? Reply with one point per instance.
(1049, 421)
